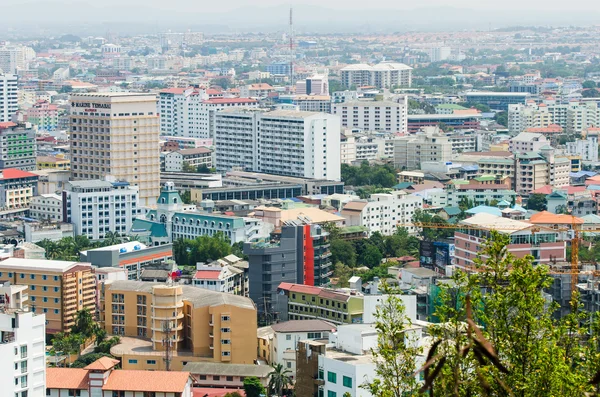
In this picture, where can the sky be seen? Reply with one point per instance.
(310, 15)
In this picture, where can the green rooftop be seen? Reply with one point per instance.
(485, 178)
(450, 106)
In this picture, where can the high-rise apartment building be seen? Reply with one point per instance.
(117, 134)
(19, 147)
(57, 289)
(22, 345)
(373, 115)
(382, 75)
(189, 112)
(14, 58)
(410, 151)
(301, 255)
(437, 54)
(97, 207)
(211, 326)
(281, 142)
(8, 96)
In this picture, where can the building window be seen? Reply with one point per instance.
(225, 354)
(74, 393)
(131, 361)
(314, 335)
(32, 276)
(202, 377)
(331, 393)
(230, 379)
(347, 382)
(216, 377)
(151, 362)
(331, 377)
(288, 337)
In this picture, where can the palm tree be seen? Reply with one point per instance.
(279, 379)
(112, 238)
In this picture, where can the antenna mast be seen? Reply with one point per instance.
(291, 47)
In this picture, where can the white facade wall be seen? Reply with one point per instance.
(46, 207)
(95, 213)
(385, 212)
(299, 144)
(285, 343)
(586, 148)
(8, 96)
(26, 352)
(373, 116)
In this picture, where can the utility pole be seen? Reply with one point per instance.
(167, 343)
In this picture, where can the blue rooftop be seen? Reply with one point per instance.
(486, 209)
(579, 174)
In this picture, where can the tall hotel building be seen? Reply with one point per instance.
(117, 134)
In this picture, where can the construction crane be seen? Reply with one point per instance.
(575, 240)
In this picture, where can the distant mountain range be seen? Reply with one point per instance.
(94, 18)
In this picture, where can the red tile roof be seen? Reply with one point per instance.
(6, 125)
(66, 378)
(217, 101)
(176, 91)
(151, 381)
(210, 392)
(207, 274)
(102, 364)
(13, 173)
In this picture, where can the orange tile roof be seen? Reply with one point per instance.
(546, 217)
(67, 378)
(152, 381)
(7, 124)
(176, 91)
(13, 173)
(102, 364)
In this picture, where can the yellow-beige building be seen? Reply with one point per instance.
(116, 133)
(56, 288)
(199, 325)
(58, 162)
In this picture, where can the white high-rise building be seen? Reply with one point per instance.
(315, 85)
(8, 97)
(411, 151)
(117, 134)
(281, 142)
(438, 54)
(586, 148)
(14, 58)
(373, 115)
(97, 207)
(573, 117)
(189, 112)
(22, 344)
(382, 75)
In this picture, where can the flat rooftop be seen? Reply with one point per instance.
(40, 264)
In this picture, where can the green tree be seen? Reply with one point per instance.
(396, 352)
(343, 251)
(87, 359)
(188, 168)
(253, 387)
(111, 238)
(537, 202)
(589, 84)
(279, 379)
(371, 257)
(501, 118)
(84, 324)
(201, 249)
(343, 274)
(107, 344)
(591, 93)
(186, 197)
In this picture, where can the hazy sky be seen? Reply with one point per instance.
(83, 17)
(208, 5)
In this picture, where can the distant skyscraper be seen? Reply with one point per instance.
(382, 75)
(438, 54)
(117, 134)
(8, 97)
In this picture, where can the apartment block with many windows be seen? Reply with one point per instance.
(116, 134)
(198, 324)
(57, 289)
